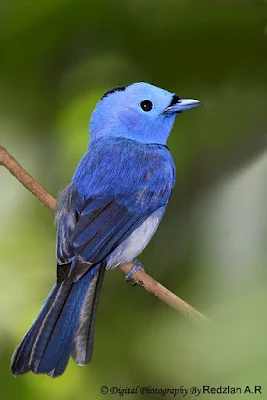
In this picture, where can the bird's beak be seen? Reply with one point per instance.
(181, 105)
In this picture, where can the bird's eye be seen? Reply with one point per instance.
(146, 105)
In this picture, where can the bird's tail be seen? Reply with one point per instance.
(64, 325)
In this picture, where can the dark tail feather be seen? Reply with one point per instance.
(47, 346)
(84, 339)
(21, 356)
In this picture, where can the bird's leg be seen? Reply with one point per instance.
(137, 265)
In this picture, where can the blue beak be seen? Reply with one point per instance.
(181, 105)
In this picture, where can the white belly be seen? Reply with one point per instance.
(136, 242)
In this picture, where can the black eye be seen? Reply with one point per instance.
(146, 105)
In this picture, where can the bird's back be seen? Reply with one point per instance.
(136, 174)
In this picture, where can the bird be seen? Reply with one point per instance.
(105, 217)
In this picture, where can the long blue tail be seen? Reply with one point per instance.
(47, 347)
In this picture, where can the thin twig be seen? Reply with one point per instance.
(8, 161)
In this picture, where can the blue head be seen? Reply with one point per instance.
(140, 112)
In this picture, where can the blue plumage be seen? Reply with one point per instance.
(106, 216)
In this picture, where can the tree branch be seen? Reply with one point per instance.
(8, 161)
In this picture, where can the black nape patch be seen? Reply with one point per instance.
(115, 89)
(175, 100)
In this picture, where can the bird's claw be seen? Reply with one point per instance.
(137, 265)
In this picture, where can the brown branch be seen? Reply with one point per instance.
(140, 277)
(26, 179)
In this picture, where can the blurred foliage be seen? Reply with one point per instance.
(57, 59)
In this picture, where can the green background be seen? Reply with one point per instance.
(57, 58)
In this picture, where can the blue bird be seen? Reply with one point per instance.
(106, 216)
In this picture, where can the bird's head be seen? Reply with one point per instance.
(140, 112)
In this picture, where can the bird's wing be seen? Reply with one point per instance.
(103, 224)
(66, 216)
(90, 236)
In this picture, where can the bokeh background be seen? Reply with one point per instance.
(57, 58)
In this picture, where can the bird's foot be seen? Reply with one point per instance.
(137, 265)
